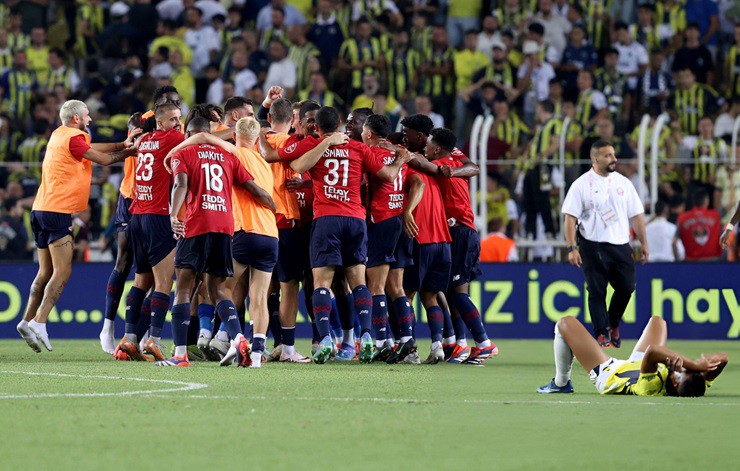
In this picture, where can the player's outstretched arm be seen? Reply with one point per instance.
(390, 172)
(260, 195)
(179, 192)
(269, 153)
(416, 192)
(109, 158)
(306, 162)
(724, 239)
(420, 163)
(467, 170)
(116, 146)
(656, 354)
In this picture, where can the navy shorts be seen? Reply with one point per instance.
(206, 253)
(388, 243)
(255, 250)
(123, 215)
(292, 255)
(150, 239)
(338, 241)
(48, 227)
(431, 269)
(465, 255)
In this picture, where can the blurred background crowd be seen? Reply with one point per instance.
(605, 64)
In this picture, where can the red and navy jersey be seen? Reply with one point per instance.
(429, 214)
(296, 146)
(211, 174)
(387, 197)
(337, 178)
(455, 194)
(152, 182)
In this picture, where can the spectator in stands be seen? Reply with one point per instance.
(167, 37)
(633, 61)
(696, 56)
(706, 14)
(402, 71)
(14, 241)
(182, 78)
(423, 105)
(489, 35)
(591, 105)
(692, 100)
(548, 52)
(497, 247)
(728, 182)
(318, 92)
(534, 75)
(18, 85)
(731, 67)
(662, 236)
(203, 41)
(243, 77)
(301, 52)
(6, 53)
(462, 17)
(500, 73)
(578, 55)
(282, 71)
(371, 94)
(438, 73)
(509, 128)
(726, 121)
(612, 84)
(467, 62)
(277, 30)
(556, 27)
(60, 74)
(360, 55)
(700, 228)
(655, 85)
(292, 15)
(482, 102)
(326, 33)
(120, 36)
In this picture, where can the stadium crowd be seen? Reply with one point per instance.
(529, 63)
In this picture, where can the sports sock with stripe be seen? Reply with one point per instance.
(435, 319)
(363, 308)
(380, 317)
(113, 293)
(405, 319)
(134, 300)
(229, 318)
(471, 316)
(145, 318)
(160, 304)
(322, 310)
(180, 324)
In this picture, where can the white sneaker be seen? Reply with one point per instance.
(107, 341)
(42, 336)
(142, 342)
(412, 359)
(230, 357)
(30, 338)
(275, 354)
(256, 358)
(219, 348)
(435, 356)
(294, 358)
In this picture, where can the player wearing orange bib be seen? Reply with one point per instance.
(65, 189)
(124, 257)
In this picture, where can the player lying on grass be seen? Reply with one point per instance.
(651, 370)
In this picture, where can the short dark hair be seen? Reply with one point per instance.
(536, 28)
(281, 111)
(700, 194)
(199, 124)
(236, 102)
(395, 138)
(162, 91)
(660, 206)
(164, 108)
(694, 25)
(620, 25)
(444, 138)
(362, 112)
(379, 124)
(307, 107)
(600, 144)
(611, 50)
(693, 384)
(327, 119)
(548, 106)
(418, 122)
(60, 53)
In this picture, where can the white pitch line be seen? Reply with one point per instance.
(183, 386)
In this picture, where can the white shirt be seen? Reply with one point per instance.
(660, 234)
(215, 93)
(282, 74)
(202, 41)
(630, 59)
(540, 78)
(556, 29)
(724, 124)
(210, 8)
(603, 206)
(437, 119)
(292, 17)
(485, 43)
(244, 81)
(170, 9)
(357, 8)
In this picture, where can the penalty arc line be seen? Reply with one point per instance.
(183, 386)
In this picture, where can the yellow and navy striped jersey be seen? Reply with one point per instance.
(18, 41)
(505, 74)
(574, 130)
(299, 55)
(438, 85)
(326, 98)
(62, 76)
(693, 103)
(227, 35)
(707, 155)
(402, 67)
(509, 19)
(38, 61)
(421, 39)
(344, 18)
(512, 130)
(19, 87)
(371, 12)
(597, 27)
(6, 60)
(543, 138)
(270, 34)
(674, 16)
(32, 152)
(94, 18)
(647, 36)
(627, 379)
(353, 51)
(732, 69)
(612, 85)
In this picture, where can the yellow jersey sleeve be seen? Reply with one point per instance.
(652, 384)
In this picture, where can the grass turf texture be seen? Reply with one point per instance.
(350, 416)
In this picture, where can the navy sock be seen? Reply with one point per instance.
(447, 331)
(229, 318)
(334, 319)
(315, 337)
(206, 313)
(145, 318)
(160, 304)
(288, 334)
(404, 317)
(322, 310)
(358, 327)
(258, 344)
(193, 330)
(435, 318)
(346, 307)
(380, 313)
(459, 325)
(180, 324)
(393, 321)
(363, 308)
(470, 315)
(134, 300)
(113, 294)
(273, 308)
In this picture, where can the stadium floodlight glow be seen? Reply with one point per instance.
(662, 120)
(483, 181)
(474, 136)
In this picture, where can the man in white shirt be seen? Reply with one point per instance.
(602, 204)
(633, 62)
(489, 36)
(292, 15)
(556, 27)
(202, 39)
(423, 105)
(535, 75)
(282, 72)
(244, 77)
(662, 235)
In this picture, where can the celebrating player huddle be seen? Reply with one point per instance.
(362, 223)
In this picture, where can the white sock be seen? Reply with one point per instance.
(462, 342)
(239, 336)
(449, 340)
(222, 335)
(484, 344)
(289, 349)
(436, 345)
(379, 343)
(107, 325)
(339, 340)
(23, 324)
(349, 337)
(131, 337)
(181, 350)
(404, 339)
(38, 327)
(563, 359)
(155, 339)
(206, 333)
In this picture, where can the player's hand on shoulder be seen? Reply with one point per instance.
(338, 139)
(446, 171)
(133, 135)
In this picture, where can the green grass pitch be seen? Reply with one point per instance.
(76, 408)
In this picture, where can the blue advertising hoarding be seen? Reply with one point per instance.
(699, 301)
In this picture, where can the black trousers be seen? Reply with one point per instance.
(605, 264)
(536, 202)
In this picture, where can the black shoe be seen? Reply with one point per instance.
(604, 340)
(404, 349)
(383, 353)
(615, 339)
